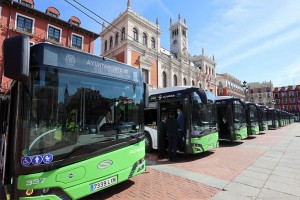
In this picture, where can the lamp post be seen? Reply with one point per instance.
(245, 89)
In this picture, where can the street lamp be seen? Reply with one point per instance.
(245, 89)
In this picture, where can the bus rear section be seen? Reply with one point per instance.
(231, 118)
(200, 133)
(74, 124)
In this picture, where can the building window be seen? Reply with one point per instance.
(135, 34)
(123, 34)
(174, 80)
(277, 101)
(298, 94)
(268, 89)
(74, 23)
(52, 14)
(76, 41)
(117, 38)
(291, 93)
(193, 83)
(259, 90)
(298, 99)
(110, 42)
(152, 43)
(293, 108)
(268, 94)
(54, 33)
(144, 39)
(27, 4)
(275, 95)
(183, 32)
(200, 86)
(284, 101)
(145, 75)
(251, 91)
(292, 100)
(105, 45)
(283, 94)
(164, 79)
(24, 24)
(184, 81)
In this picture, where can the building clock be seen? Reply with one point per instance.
(175, 47)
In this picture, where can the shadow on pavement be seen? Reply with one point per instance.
(250, 137)
(262, 133)
(227, 143)
(107, 193)
(181, 158)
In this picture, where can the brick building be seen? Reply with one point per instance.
(261, 93)
(228, 85)
(135, 41)
(20, 17)
(288, 98)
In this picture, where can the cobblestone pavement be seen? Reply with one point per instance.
(266, 166)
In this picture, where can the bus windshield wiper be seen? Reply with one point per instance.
(66, 157)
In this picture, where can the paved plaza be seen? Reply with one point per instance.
(266, 166)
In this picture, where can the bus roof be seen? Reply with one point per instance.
(61, 57)
(171, 89)
(220, 98)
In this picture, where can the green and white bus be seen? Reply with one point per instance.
(73, 124)
(262, 118)
(231, 118)
(200, 134)
(252, 118)
(272, 116)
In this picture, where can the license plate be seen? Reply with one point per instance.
(104, 183)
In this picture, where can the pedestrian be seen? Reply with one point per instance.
(180, 120)
(162, 135)
(172, 131)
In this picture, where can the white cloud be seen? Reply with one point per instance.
(272, 42)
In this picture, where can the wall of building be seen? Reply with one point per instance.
(41, 22)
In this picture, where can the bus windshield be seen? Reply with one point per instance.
(252, 113)
(203, 115)
(238, 114)
(63, 110)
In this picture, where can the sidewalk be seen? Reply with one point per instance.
(266, 166)
(274, 175)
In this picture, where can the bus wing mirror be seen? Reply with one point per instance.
(146, 95)
(202, 95)
(16, 57)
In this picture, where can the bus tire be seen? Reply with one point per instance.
(148, 143)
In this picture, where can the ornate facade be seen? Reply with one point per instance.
(230, 86)
(135, 41)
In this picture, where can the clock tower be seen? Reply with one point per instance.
(179, 37)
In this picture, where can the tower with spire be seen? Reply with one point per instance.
(179, 37)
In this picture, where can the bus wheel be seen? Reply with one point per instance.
(148, 142)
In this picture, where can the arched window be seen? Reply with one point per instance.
(184, 81)
(105, 45)
(135, 34)
(144, 39)
(110, 42)
(117, 38)
(164, 79)
(123, 34)
(152, 43)
(193, 83)
(175, 80)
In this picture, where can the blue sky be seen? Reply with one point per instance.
(253, 40)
